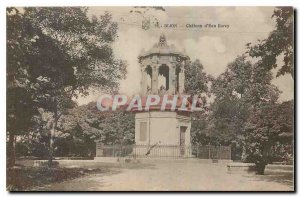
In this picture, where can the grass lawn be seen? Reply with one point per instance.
(24, 178)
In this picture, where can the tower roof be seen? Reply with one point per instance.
(162, 48)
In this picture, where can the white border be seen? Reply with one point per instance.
(147, 2)
(20, 3)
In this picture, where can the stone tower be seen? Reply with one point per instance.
(162, 69)
(162, 62)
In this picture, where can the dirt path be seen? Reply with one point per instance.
(177, 176)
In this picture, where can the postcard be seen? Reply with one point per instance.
(150, 98)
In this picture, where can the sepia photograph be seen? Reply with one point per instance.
(150, 98)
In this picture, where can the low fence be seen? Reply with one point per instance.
(212, 152)
(163, 151)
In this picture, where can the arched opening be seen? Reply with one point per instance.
(178, 70)
(148, 71)
(163, 77)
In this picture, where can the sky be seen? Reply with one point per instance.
(214, 47)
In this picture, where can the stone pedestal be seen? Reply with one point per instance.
(168, 133)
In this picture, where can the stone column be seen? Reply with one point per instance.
(172, 79)
(154, 79)
(143, 81)
(181, 79)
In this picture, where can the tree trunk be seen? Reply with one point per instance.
(52, 132)
(261, 164)
(50, 159)
(244, 153)
(11, 150)
(260, 168)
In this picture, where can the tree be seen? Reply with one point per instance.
(231, 104)
(20, 112)
(86, 125)
(21, 106)
(69, 54)
(200, 130)
(242, 88)
(267, 125)
(280, 41)
(197, 82)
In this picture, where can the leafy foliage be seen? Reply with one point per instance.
(230, 108)
(55, 54)
(280, 41)
(269, 124)
(200, 130)
(82, 51)
(21, 106)
(197, 82)
(85, 125)
(240, 89)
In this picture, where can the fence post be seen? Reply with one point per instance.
(134, 146)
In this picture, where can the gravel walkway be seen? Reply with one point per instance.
(187, 176)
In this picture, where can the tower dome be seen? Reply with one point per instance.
(162, 69)
(162, 48)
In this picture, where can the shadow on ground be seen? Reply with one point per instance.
(95, 181)
(277, 176)
(29, 178)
